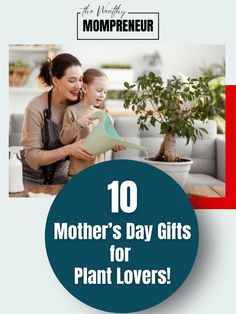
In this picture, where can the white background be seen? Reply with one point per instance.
(27, 283)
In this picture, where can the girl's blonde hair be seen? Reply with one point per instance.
(90, 74)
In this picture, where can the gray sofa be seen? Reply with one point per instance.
(208, 153)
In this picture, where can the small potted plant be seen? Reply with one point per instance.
(18, 73)
(216, 75)
(174, 105)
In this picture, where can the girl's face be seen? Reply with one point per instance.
(95, 92)
(70, 84)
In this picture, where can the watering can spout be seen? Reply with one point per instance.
(104, 136)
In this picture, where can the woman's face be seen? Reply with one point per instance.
(70, 84)
(96, 91)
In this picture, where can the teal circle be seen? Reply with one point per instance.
(153, 269)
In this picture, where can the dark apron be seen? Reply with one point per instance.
(56, 173)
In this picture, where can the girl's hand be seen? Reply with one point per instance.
(85, 121)
(118, 148)
(79, 151)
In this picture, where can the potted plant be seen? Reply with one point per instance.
(216, 75)
(18, 73)
(153, 62)
(174, 105)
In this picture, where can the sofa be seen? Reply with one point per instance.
(208, 153)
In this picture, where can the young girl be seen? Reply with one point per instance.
(77, 123)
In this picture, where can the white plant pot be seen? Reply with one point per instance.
(176, 170)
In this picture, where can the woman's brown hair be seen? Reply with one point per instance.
(57, 67)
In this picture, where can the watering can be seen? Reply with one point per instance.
(104, 136)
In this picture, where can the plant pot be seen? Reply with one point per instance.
(177, 170)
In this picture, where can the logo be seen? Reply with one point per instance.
(112, 21)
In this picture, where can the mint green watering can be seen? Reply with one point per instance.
(104, 136)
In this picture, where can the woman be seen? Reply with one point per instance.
(44, 157)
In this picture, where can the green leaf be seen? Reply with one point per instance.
(203, 130)
(153, 121)
(126, 84)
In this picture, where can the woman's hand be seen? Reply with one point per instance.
(79, 151)
(85, 121)
(118, 148)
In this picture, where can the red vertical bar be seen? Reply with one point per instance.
(229, 202)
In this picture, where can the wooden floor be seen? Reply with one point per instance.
(191, 190)
(38, 190)
(205, 190)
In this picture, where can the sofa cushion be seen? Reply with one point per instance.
(127, 126)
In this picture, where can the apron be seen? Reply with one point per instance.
(56, 173)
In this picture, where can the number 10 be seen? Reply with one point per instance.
(119, 196)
